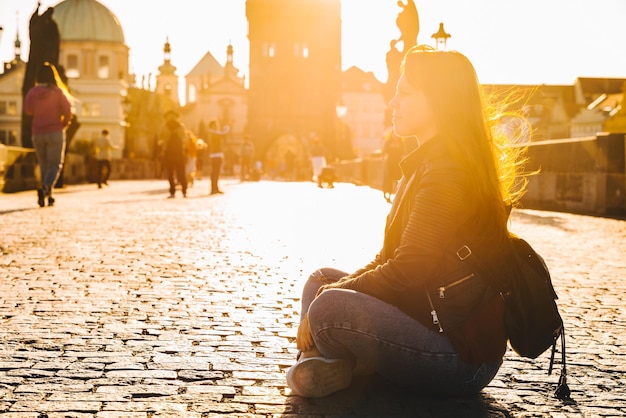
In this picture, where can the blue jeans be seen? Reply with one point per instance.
(352, 325)
(50, 149)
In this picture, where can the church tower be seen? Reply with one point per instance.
(167, 80)
(295, 70)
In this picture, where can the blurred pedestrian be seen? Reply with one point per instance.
(49, 105)
(174, 139)
(458, 185)
(247, 159)
(103, 147)
(192, 158)
(289, 169)
(216, 144)
(318, 157)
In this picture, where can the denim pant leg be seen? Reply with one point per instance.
(170, 169)
(356, 326)
(216, 168)
(181, 175)
(316, 280)
(50, 149)
(41, 151)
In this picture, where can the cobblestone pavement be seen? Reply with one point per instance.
(122, 303)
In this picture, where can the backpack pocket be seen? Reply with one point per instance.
(455, 297)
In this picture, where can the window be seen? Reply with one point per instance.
(300, 50)
(192, 93)
(72, 70)
(90, 109)
(104, 70)
(12, 138)
(8, 107)
(12, 107)
(269, 49)
(8, 137)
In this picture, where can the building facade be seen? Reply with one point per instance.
(216, 93)
(11, 81)
(95, 59)
(362, 98)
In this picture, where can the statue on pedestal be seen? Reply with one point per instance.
(44, 47)
(408, 23)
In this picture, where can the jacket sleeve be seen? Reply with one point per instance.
(369, 266)
(437, 209)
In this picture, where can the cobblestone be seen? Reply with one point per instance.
(121, 303)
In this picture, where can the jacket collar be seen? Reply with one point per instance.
(409, 165)
(422, 153)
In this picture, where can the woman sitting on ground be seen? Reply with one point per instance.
(460, 181)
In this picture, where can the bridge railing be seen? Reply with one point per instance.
(581, 175)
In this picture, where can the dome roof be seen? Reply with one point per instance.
(87, 20)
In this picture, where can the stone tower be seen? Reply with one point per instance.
(295, 70)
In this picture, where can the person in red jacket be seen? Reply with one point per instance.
(50, 108)
(459, 182)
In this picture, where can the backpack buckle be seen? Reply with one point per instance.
(463, 252)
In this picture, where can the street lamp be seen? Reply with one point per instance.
(441, 37)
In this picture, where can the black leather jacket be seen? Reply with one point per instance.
(434, 206)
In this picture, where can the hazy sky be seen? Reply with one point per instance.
(520, 42)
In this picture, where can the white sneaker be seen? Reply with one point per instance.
(316, 377)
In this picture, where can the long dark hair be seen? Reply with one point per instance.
(46, 74)
(465, 124)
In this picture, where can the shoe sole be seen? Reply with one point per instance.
(317, 377)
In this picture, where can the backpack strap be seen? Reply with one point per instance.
(562, 391)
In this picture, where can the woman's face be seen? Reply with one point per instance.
(412, 114)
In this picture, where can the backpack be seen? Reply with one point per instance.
(531, 316)
(530, 331)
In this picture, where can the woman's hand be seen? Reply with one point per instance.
(333, 285)
(304, 338)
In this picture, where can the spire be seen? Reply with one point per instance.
(18, 46)
(229, 68)
(167, 68)
(17, 59)
(167, 49)
(229, 53)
